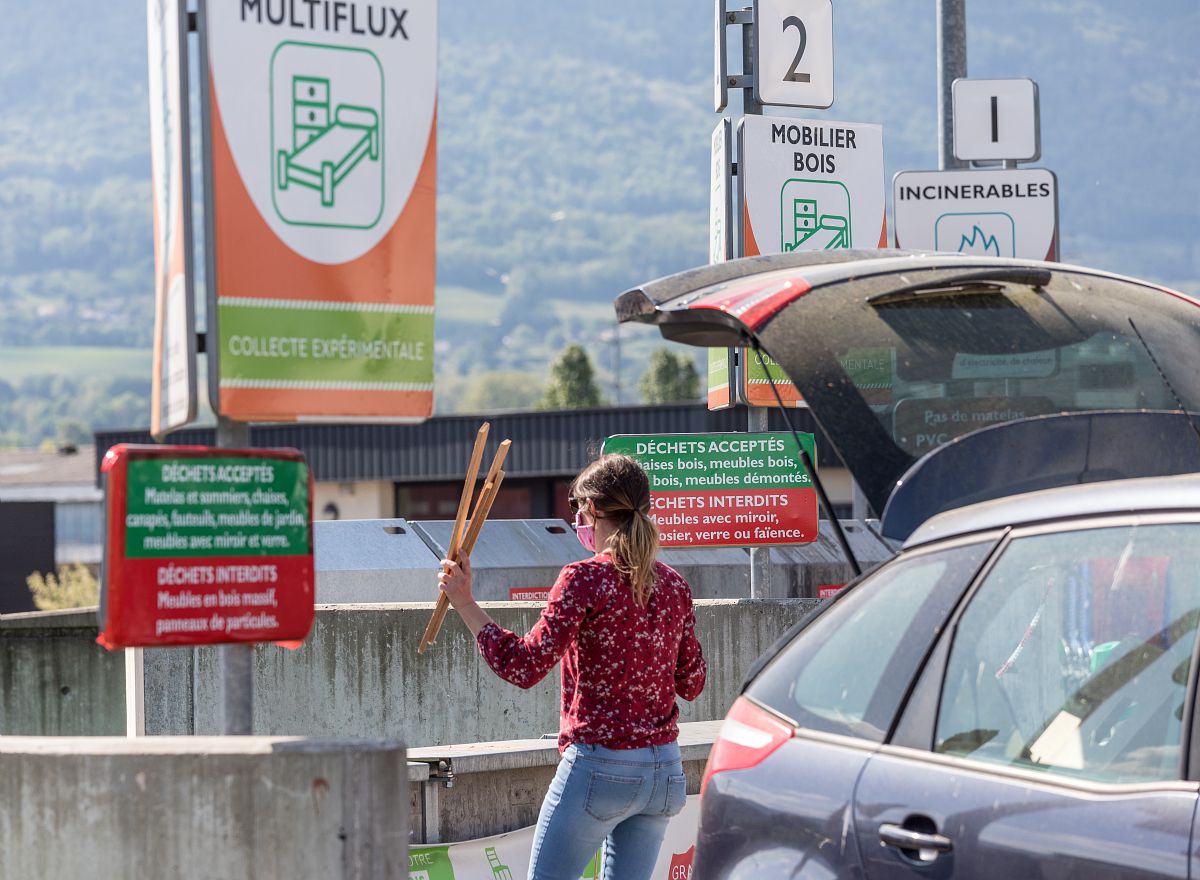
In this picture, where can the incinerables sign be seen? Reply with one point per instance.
(322, 117)
(998, 213)
(206, 546)
(726, 490)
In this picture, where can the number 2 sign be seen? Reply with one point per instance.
(793, 52)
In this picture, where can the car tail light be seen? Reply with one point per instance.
(747, 737)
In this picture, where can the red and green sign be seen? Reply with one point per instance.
(206, 546)
(726, 490)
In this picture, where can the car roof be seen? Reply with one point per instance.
(898, 353)
(1150, 495)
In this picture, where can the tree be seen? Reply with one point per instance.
(72, 587)
(572, 382)
(669, 378)
(500, 390)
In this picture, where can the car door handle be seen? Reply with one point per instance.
(923, 846)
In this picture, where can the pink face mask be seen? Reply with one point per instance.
(585, 532)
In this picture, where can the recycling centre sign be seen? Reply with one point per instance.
(995, 212)
(812, 185)
(322, 121)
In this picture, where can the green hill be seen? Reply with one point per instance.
(573, 162)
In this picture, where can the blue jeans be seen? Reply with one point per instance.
(621, 798)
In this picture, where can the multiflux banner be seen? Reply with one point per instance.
(322, 131)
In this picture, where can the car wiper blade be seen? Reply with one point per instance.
(968, 283)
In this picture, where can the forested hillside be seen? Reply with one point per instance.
(572, 164)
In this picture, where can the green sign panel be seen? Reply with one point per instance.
(216, 507)
(738, 490)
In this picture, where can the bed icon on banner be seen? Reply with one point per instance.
(327, 135)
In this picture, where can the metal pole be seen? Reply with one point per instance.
(756, 417)
(237, 661)
(951, 65)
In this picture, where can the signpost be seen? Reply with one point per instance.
(998, 212)
(173, 385)
(793, 52)
(206, 546)
(996, 119)
(726, 490)
(321, 144)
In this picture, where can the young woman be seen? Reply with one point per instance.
(623, 626)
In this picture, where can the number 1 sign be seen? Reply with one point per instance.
(793, 55)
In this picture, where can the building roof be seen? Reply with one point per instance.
(545, 444)
(66, 474)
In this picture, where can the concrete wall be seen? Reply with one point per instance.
(357, 675)
(55, 679)
(202, 808)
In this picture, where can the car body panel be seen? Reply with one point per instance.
(783, 818)
(1040, 453)
(1005, 826)
(1147, 495)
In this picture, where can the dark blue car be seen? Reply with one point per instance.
(1014, 693)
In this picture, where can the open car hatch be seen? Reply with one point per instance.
(903, 355)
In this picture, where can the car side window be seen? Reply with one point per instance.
(1074, 655)
(848, 670)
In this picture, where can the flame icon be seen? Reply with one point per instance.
(979, 242)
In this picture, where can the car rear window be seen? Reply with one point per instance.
(848, 670)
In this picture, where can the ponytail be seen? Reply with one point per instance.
(634, 548)
(620, 489)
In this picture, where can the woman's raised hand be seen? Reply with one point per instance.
(455, 581)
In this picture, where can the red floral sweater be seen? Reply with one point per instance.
(622, 664)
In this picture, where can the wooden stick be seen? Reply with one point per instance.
(478, 518)
(497, 467)
(464, 503)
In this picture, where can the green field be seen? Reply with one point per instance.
(20, 362)
(466, 305)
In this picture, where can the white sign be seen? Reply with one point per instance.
(324, 177)
(996, 119)
(173, 389)
(811, 185)
(720, 231)
(793, 52)
(1000, 213)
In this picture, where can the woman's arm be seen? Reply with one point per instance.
(523, 661)
(690, 669)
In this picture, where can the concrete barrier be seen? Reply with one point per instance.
(357, 675)
(482, 789)
(237, 807)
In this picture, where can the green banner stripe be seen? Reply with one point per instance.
(323, 306)
(313, 345)
(320, 385)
